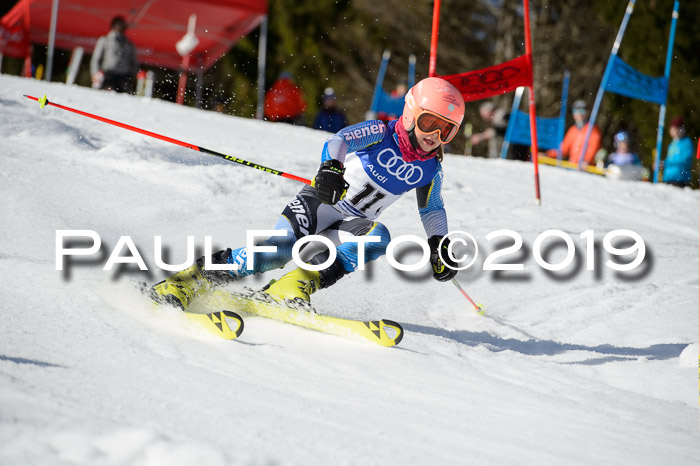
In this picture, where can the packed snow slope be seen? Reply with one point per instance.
(566, 367)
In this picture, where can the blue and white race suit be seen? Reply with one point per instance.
(378, 176)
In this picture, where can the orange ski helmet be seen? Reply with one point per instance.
(434, 105)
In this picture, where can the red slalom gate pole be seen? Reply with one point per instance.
(182, 82)
(434, 39)
(533, 114)
(43, 101)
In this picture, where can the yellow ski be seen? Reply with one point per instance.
(224, 324)
(383, 332)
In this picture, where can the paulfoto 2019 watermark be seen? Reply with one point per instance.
(463, 250)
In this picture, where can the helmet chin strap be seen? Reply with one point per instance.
(412, 137)
(414, 141)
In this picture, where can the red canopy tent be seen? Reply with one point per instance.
(155, 26)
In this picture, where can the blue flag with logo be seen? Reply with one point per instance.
(627, 81)
(547, 131)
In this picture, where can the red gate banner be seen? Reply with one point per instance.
(495, 80)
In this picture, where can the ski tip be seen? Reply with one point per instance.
(395, 334)
(43, 101)
(231, 317)
(225, 324)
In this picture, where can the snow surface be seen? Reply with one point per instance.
(571, 367)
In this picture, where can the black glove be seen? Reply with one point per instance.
(441, 272)
(329, 182)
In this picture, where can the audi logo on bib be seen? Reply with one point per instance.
(401, 170)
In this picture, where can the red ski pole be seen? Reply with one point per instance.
(43, 101)
(478, 308)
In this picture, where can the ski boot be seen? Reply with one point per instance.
(296, 286)
(183, 287)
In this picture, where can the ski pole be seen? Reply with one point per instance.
(43, 101)
(478, 308)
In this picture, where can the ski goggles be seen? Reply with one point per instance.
(429, 122)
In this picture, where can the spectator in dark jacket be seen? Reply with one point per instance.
(329, 118)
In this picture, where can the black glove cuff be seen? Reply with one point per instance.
(329, 182)
(434, 243)
(333, 165)
(444, 268)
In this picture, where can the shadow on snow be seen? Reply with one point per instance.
(536, 347)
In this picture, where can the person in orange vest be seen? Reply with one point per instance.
(573, 141)
(284, 102)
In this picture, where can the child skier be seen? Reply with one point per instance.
(624, 165)
(347, 195)
(622, 154)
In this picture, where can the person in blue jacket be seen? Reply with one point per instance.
(678, 165)
(330, 118)
(365, 168)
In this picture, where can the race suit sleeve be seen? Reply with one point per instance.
(352, 139)
(431, 207)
